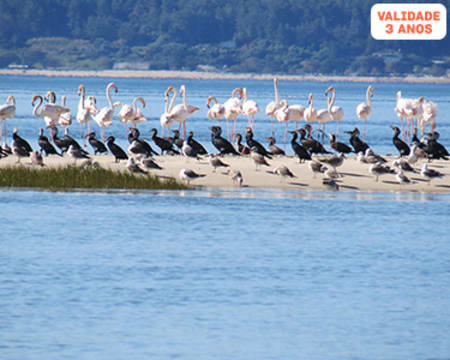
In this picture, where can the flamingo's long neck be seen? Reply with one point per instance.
(184, 97)
(63, 100)
(331, 101)
(36, 107)
(277, 94)
(108, 96)
(311, 99)
(369, 102)
(244, 94)
(81, 104)
(172, 102)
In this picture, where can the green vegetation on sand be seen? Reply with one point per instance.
(74, 177)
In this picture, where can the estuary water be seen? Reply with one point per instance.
(224, 274)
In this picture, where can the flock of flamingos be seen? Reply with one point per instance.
(420, 110)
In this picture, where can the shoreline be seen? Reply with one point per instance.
(200, 75)
(355, 175)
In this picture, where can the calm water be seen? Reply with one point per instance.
(245, 274)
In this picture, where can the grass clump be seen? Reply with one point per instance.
(76, 177)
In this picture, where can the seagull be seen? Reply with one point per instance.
(236, 176)
(77, 153)
(379, 169)
(148, 163)
(403, 165)
(36, 158)
(283, 171)
(334, 161)
(188, 175)
(401, 177)
(258, 158)
(430, 173)
(330, 184)
(135, 168)
(316, 167)
(215, 162)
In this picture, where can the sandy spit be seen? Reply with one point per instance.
(167, 74)
(354, 175)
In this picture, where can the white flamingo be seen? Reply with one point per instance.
(49, 112)
(336, 112)
(138, 114)
(322, 117)
(86, 109)
(273, 106)
(215, 112)
(310, 113)
(164, 118)
(104, 117)
(233, 107)
(182, 111)
(287, 113)
(428, 115)
(249, 108)
(132, 114)
(65, 119)
(407, 108)
(364, 110)
(7, 111)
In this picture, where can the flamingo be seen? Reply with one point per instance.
(249, 108)
(336, 112)
(428, 115)
(104, 117)
(273, 106)
(138, 115)
(233, 107)
(364, 110)
(164, 118)
(85, 111)
(215, 112)
(7, 111)
(408, 108)
(181, 112)
(131, 114)
(49, 112)
(310, 113)
(65, 119)
(288, 113)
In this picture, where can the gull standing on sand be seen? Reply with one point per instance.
(215, 162)
(188, 175)
(236, 176)
(258, 158)
(36, 158)
(284, 172)
(430, 174)
(316, 167)
(77, 153)
(134, 168)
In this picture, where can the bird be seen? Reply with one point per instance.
(401, 177)
(435, 149)
(249, 108)
(339, 147)
(65, 119)
(164, 119)
(273, 106)
(105, 116)
(312, 145)
(283, 171)
(215, 162)
(233, 108)
(286, 113)
(188, 151)
(36, 158)
(20, 147)
(49, 112)
(134, 168)
(176, 139)
(258, 158)
(274, 150)
(241, 148)
(316, 167)
(299, 149)
(356, 142)
(251, 142)
(199, 149)
(7, 111)
(71, 141)
(163, 144)
(138, 145)
(77, 153)
(116, 150)
(96, 144)
(401, 146)
(188, 175)
(430, 174)
(215, 112)
(220, 143)
(182, 111)
(45, 145)
(416, 154)
(334, 161)
(407, 108)
(310, 113)
(236, 176)
(85, 110)
(427, 115)
(336, 112)
(364, 110)
(148, 163)
(379, 169)
(132, 114)
(403, 165)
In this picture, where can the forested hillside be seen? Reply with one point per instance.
(271, 36)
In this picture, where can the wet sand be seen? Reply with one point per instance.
(354, 175)
(167, 74)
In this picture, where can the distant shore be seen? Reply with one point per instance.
(169, 74)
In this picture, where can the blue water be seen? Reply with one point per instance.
(223, 274)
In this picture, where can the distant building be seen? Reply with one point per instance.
(389, 56)
(206, 68)
(16, 66)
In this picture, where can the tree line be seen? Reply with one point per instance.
(272, 36)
